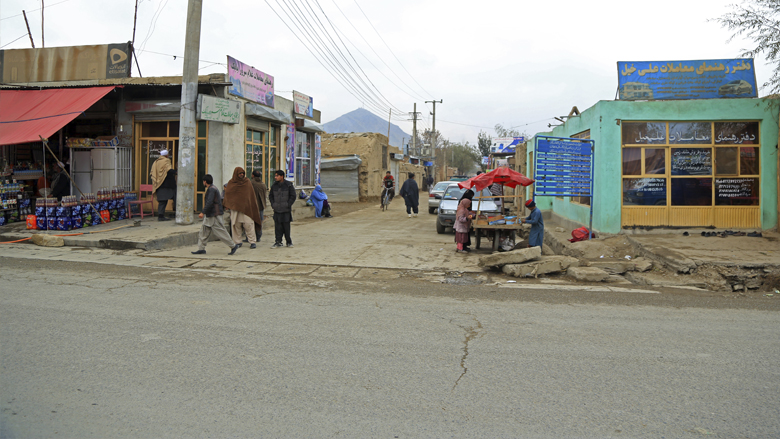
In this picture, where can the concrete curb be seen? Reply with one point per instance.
(167, 242)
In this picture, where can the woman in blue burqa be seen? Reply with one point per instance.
(320, 201)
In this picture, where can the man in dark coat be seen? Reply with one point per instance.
(411, 194)
(60, 184)
(282, 196)
(212, 219)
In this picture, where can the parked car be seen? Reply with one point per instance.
(459, 178)
(434, 196)
(736, 87)
(449, 204)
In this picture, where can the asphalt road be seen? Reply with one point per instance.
(116, 351)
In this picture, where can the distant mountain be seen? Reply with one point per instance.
(364, 121)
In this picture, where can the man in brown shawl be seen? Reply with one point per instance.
(244, 213)
(159, 172)
(261, 192)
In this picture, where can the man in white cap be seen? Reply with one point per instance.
(158, 173)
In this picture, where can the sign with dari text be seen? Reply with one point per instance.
(218, 109)
(250, 83)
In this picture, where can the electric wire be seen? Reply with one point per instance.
(333, 64)
(153, 24)
(391, 50)
(375, 53)
(33, 10)
(25, 34)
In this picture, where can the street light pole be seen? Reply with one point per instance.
(185, 188)
(433, 142)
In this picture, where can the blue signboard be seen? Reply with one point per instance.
(563, 167)
(701, 79)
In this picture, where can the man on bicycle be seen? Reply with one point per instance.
(388, 184)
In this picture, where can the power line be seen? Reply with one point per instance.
(33, 10)
(14, 41)
(391, 50)
(375, 53)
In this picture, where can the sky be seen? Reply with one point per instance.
(509, 62)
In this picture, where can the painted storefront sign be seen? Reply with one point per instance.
(699, 79)
(218, 109)
(250, 83)
(303, 104)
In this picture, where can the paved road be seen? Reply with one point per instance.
(105, 350)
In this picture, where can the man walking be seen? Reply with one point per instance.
(244, 213)
(212, 219)
(536, 237)
(261, 192)
(411, 193)
(282, 196)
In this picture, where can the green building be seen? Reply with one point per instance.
(675, 163)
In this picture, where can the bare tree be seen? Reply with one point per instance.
(758, 20)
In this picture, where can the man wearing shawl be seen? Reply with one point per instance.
(244, 213)
(319, 199)
(159, 170)
(411, 193)
(463, 217)
(261, 192)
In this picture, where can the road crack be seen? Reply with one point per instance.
(472, 332)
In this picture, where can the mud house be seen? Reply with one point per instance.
(376, 158)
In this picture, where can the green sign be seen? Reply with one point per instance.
(218, 109)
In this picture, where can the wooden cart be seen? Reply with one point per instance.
(497, 228)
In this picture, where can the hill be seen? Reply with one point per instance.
(364, 121)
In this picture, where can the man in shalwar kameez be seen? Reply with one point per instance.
(536, 237)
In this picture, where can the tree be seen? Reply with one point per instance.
(507, 132)
(483, 143)
(464, 157)
(758, 20)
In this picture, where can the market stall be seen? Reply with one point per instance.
(493, 227)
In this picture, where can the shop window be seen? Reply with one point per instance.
(692, 192)
(582, 200)
(256, 143)
(303, 174)
(632, 161)
(736, 192)
(690, 133)
(272, 135)
(156, 129)
(726, 161)
(655, 161)
(748, 161)
(644, 192)
(691, 161)
(736, 133)
(644, 133)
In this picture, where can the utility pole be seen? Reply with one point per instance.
(433, 141)
(414, 131)
(389, 116)
(43, 41)
(185, 188)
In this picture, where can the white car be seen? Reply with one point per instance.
(434, 196)
(449, 205)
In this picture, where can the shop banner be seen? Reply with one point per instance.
(317, 156)
(290, 151)
(700, 79)
(250, 83)
(71, 63)
(304, 105)
(563, 167)
(505, 144)
(218, 109)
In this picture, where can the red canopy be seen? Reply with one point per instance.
(502, 175)
(26, 114)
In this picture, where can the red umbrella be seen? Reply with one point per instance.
(502, 175)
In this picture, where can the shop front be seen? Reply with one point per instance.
(686, 163)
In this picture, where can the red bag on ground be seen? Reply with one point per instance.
(580, 234)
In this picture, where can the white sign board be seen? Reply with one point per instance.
(303, 104)
(218, 109)
(505, 144)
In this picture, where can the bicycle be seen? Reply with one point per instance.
(387, 198)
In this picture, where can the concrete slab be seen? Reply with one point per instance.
(171, 262)
(251, 267)
(215, 263)
(293, 269)
(341, 272)
(377, 273)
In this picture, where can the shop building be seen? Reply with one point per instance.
(83, 116)
(675, 163)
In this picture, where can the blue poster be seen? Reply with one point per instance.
(701, 79)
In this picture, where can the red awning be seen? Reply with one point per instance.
(27, 114)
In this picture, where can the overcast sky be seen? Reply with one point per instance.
(517, 63)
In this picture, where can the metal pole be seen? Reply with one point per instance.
(43, 41)
(185, 188)
(414, 129)
(28, 29)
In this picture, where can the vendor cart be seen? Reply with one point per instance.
(505, 177)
